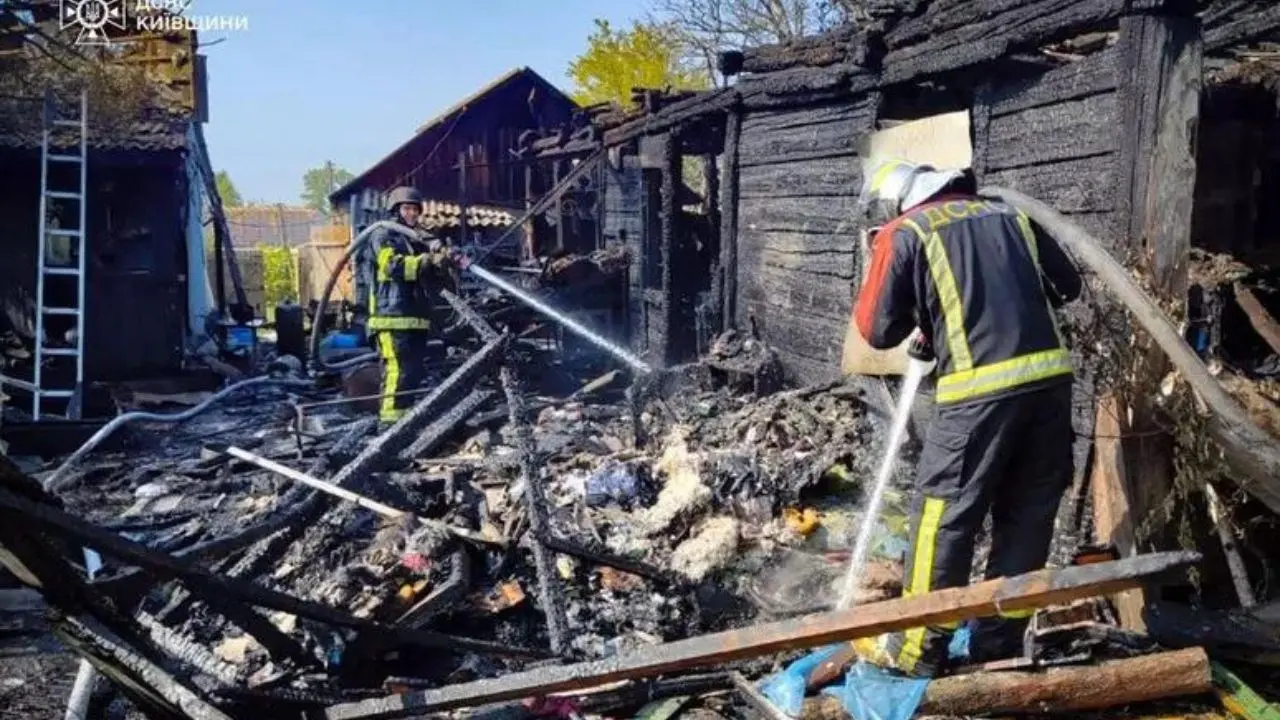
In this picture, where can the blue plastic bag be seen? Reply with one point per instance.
(614, 482)
(870, 693)
(786, 689)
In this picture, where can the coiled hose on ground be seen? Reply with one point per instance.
(55, 481)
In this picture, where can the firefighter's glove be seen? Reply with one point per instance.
(919, 348)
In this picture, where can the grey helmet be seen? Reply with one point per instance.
(402, 195)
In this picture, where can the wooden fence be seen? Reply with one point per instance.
(312, 264)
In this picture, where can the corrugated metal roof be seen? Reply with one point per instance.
(437, 214)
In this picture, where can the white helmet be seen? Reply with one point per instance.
(902, 184)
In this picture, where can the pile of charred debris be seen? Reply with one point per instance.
(541, 536)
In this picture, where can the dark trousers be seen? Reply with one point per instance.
(404, 367)
(1010, 457)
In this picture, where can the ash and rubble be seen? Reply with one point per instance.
(733, 507)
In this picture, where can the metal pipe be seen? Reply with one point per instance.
(367, 503)
(54, 481)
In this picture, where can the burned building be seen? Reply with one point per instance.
(102, 160)
(1099, 109)
(464, 160)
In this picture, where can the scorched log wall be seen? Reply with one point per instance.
(799, 179)
(624, 226)
(1056, 137)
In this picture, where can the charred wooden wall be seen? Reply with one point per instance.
(623, 220)
(135, 268)
(1056, 137)
(797, 230)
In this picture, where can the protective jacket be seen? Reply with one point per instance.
(402, 269)
(986, 282)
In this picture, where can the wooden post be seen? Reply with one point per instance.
(530, 190)
(1112, 518)
(678, 340)
(462, 198)
(1111, 684)
(728, 281)
(558, 168)
(1161, 59)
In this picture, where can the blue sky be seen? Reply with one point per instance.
(349, 81)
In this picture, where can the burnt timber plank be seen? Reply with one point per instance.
(1163, 59)
(757, 240)
(230, 589)
(977, 32)
(786, 119)
(1241, 28)
(1070, 186)
(674, 115)
(832, 270)
(1073, 129)
(1094, 74)
(1025, 592)
(731, 193)
(807, 142)
(794, 330)
(828, 215)
(831, 177)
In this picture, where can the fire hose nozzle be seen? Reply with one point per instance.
(920, 348)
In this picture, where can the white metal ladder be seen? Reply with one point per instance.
(77, 155)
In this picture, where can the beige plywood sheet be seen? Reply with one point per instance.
(941, 141)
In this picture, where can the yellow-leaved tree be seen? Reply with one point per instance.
(615, 61)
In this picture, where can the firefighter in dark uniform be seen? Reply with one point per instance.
(405, 274)
(981, 283)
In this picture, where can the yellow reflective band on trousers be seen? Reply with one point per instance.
(393, 322)
(390, 379)
(921, 578)
(987, 379)
(948, 295)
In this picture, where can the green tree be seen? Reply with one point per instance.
(227, 190)
(615, 61)
(317, 183)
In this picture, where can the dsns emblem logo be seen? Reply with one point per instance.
(91, 18)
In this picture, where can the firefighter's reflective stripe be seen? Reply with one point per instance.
(948, 295)
(411, 265)
(922, 557)
(387, 348)
(1024, 224)
(393, 322)
(987, 379)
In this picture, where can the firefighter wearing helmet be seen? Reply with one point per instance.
(981, 283)
(406, 273)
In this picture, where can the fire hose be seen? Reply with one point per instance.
(533, 303)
